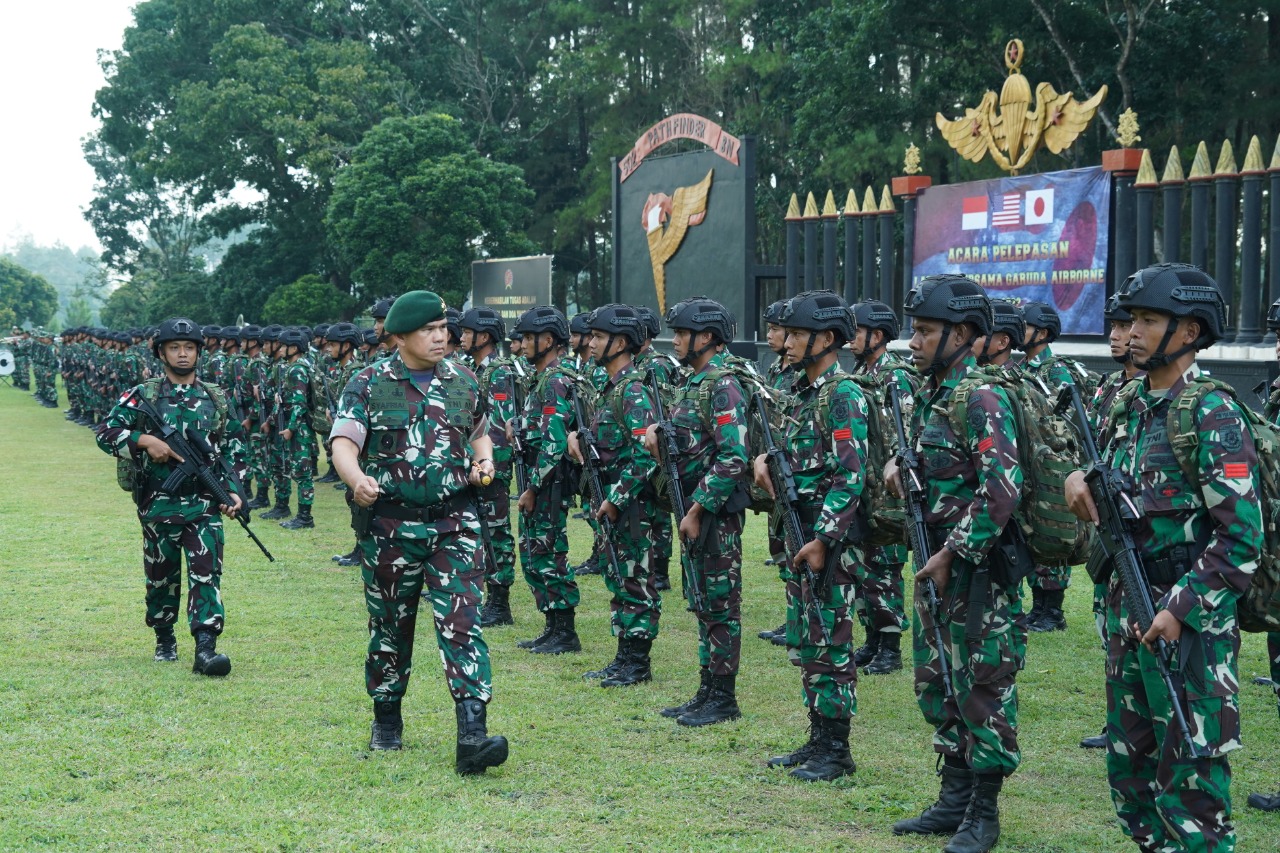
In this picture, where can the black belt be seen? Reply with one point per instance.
(428, 514)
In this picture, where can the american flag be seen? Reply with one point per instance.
(1010, 212)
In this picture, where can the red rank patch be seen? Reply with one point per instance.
(500, 397)
(845, 434)
(721, 420)
(986, 444)
(548, 410)
(1236, 470)
(638, 431)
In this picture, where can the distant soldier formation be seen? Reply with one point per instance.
(464, 446)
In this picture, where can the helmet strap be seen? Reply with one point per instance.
(941, 365)
(604, 360)
(538, 355)
(1160, 358)
(695, 354)
(810, 356)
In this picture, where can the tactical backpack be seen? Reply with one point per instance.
(1085, 379)
(129, 472)
(1258, 610)
(319, 399)
(1048, 452)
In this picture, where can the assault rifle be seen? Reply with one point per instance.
(918, 534)
(197, 463)
(787, 503)
(689, 575)
(518, 449)
(595, 489)
(1111, 491)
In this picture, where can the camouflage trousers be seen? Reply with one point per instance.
(635, 607)
(663, 531)
(880, 601)
(298, 459)
(258, 448)
(719, 567)
(278, 466)
(495, 507)
(397, 572)
(46, 385)
(1051, 578)
(21, 373)
(979, 723)
(829, 678)
(547, 571)
(163, 545)
(1166, 800)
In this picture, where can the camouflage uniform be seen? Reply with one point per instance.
(973, 486)
(295, 415)
(1201, 547)
(711, 434)
(414, 440)
(173, 524)
(257, 391)
(22, 362)
(650, 361)
(548, 416)
(497, 378)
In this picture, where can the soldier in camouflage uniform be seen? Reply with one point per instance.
(186, 520)
(825, 439)
(296, 435)
(1201, 541)
(482, 333)
(410, 440)
(780, 377)
(594, 376)
(44, 360)
(272, 424)
(1049, 583)
(342, 343)
(21, 359)
(973, 484)
(667, 369)
(625, 468)
(546, 422)
(709, 416)
(881, 604)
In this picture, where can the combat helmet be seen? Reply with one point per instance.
(381, 307)
(868, 316)
(176, 329)
(1273, 316)
(1042, 315)
(544, 319)
(819, 311)
(484, 320)
(652, 326)
(702, 314)
(950, 299)
(618, 320)
(1006, 316)
(1178, 290)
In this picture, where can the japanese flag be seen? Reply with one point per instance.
(974, 213)
(1039, 207)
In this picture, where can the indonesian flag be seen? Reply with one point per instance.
(1039, 208)
(974, 214)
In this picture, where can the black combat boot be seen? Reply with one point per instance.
(944, 816)
(1095, 741)
(1053, 618)
(330, 477)
(476, 750)
(720, 705)
(589, 566)
(830, 758)
(801, 755)
(301, 521)
(563, 636)
(280, 511)
(866, 653)
(693, 704)
(780, 636)
(662, 573)
(207, 660)
(262, 501)
(981, 827)
(497, 607)
(1265, 802)
(387, 728)
(541, 638)
(635, 665)
(166, 644)
(611, 667)
(889, 657)
(771, 632)
(352, 559)
(1037, 609)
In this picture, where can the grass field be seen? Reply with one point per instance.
(105, 749)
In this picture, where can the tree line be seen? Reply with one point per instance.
(342, 151)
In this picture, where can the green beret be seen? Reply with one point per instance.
(412, 311)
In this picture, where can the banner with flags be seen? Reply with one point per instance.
(1032, 238)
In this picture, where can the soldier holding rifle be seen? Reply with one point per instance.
(1197, 542)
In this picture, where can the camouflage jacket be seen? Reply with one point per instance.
(295, 394)
(497, 380)
(828, 451)
(1271, 408)
(713, 455)
(973, 482)
(186, 408)
(780, 377)
(414, 439)
(1099, 407)
(624, 413)
(548, 419)
(900, 378)
(258, 377)
(1221, 520)
(1054, 371)
(593, 373)
(664, 366)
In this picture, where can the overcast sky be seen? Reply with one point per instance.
(48, 75)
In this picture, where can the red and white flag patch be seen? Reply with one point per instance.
(986, 444)
(845, 434)
(1236, 470)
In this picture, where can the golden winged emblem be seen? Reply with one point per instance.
(666, 220)
(1010, 130)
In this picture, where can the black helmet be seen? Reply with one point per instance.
(306, 330)
(578, 323)
(773, 314)
(702, 314)
(371, 337)
(819, 311)
(344, 333)
(272, 332)
(541, 319)
(318, 331)
(295, 338)
(952, 299)
(250, 332)
(381, 307)
(1179, 290)
(211, 331)
(1113, 313)
(231, 333)
(177, 329)
(1006, 316)
(1273, 316)
(618, 320)
(452, 318)
(876, 315)
(651, 324)
(484, 320)
(1041, 315)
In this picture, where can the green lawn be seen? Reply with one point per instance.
(106, 749)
